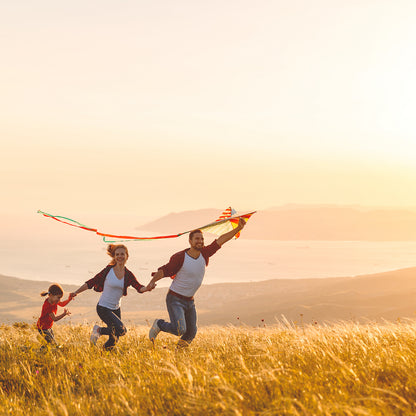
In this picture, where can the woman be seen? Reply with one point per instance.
(112, 281)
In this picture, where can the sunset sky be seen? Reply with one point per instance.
(143, 108)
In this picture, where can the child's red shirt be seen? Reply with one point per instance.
(45, 321)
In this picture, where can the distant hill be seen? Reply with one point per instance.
(310, 222)
(390, 295)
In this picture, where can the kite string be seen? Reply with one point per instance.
(75, 223)
(120, 238)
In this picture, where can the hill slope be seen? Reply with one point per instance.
(388, 295)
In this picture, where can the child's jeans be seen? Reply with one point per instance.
(48, 335)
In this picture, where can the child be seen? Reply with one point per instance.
(49, 308)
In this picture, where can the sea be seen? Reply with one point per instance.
(73, 260)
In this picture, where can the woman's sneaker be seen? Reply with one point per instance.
(154, 330)
(95, 334)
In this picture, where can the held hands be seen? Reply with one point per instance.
(148, 288)
(72, 295)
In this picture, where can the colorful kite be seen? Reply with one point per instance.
(227, 221)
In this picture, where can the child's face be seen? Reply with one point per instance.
(53, 299)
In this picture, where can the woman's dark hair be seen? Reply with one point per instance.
(54, 289)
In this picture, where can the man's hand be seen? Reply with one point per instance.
(241, 223)
(228, 236)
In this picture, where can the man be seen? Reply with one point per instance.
(187, 267)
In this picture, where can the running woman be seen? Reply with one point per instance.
(113, 282)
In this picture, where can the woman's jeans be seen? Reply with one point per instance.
(182, 314)
(115, 328)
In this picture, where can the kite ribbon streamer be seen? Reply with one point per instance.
(67, 221)
(226, 222)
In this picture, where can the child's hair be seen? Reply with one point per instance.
(111, 251)
(54, 289)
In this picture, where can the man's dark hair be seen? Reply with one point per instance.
(191, 234)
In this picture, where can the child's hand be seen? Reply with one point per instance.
(66, 312)
(72, 295)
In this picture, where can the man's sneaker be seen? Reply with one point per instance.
(95, 334)
(154, 330)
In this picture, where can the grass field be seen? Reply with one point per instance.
(345, 369)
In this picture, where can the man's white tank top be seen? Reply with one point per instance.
(189, 277)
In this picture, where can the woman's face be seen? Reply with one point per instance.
(120, 255)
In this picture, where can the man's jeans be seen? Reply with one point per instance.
(115, 328)
(182, 314)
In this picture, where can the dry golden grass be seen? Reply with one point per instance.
(345, 369)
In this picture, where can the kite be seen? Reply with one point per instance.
(227, 221)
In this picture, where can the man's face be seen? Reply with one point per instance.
(197, 241)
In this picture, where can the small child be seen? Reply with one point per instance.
(49, 308)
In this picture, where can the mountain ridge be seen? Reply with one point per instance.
(321, 222)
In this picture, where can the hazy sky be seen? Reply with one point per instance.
(144, 108)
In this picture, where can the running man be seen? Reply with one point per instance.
(187, 268)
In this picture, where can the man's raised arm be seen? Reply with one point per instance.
(228, 236)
